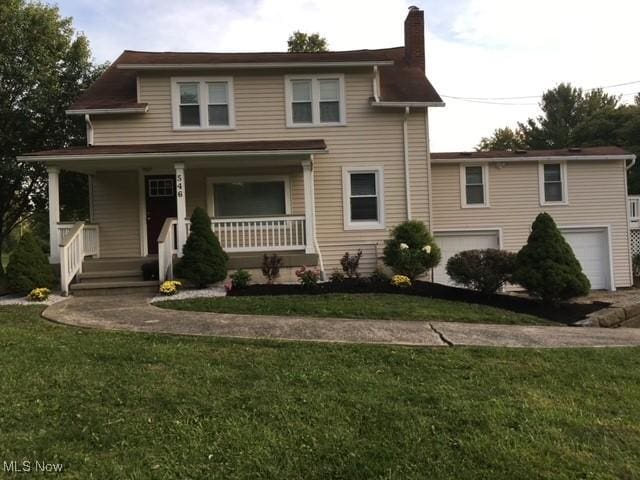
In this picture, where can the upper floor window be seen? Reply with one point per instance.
(553, 183)
(315, 100)
(474, 185)
(202, 103)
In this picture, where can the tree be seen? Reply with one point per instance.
(28, 267)
(503, 139)
(300, 42)
(547, 267)
(574, 118)
(411, 250)
(44, 65)
(203, 261)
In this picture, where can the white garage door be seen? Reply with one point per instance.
(452, 243)
(591, 247)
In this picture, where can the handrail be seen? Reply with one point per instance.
(71, 256)
(166, 249)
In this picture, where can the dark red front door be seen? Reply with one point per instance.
(161, 204)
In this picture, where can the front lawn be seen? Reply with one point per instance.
(125, 405)
(373, 306)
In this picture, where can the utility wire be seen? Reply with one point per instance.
(525, 97)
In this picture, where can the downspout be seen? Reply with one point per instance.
(87, 120)
(428, 145)
(405, 134)
(376, 84)
(315, 229)
(633, 162)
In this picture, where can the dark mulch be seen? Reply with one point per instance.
(565, 313)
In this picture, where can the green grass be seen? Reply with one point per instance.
(112, 405)
(373, 306)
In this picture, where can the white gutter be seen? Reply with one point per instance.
(407, 104)
(633, 162)
(87, 121)
(556, 158)
(106, 156)
(106, 111)
(407, 181)
(239, 65)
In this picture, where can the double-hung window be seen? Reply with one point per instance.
(363, 198)
(474, 185)
(315, 100)
(202, 103)
(553, 183)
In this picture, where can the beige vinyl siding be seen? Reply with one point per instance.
(116, 211)
(371, 137)
(596, 194)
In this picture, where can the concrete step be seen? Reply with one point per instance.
(113, 288)
(110, 276)
(116, 264)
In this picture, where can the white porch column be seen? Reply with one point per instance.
(54, 214)
(181, 206)
(309, 206)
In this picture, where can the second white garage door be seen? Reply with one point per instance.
(451, 243)
(591, 247)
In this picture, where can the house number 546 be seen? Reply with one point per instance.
(179, 186)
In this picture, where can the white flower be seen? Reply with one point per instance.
(427, 248)
(404, 246)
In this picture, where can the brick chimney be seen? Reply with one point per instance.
(414, 38)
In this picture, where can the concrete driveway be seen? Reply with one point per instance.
(134, 313)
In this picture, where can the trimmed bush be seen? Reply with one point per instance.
(271, 265)
(240, 279)
(309, 277)
(547, 267)
(28, 267)
(485, 271)
(337, 276)
(411, 250)
(350, 264)
(203, 261)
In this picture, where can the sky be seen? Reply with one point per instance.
(475, 49)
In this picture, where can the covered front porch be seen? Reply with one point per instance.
(259, 201)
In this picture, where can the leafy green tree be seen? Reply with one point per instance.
(44, 65)
(503, 139)
(300, 42)
(28, 267)
(411, 251)
(203, 261)
(547, 267)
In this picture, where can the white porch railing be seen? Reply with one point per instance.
(76, 243)
(260, 234)
(167, 247)
(634, 211)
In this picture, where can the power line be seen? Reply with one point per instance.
(526, 97)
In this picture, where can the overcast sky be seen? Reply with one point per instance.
(475, 48)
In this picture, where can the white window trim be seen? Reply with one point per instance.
(203, 98)
(346, 198)
(211, 181)
(563, 178)
(315, 100)
(485, 185)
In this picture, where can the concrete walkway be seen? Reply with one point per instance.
(134, 313)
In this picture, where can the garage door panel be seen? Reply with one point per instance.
(590, 247)
(452, 243)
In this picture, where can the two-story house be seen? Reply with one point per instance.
(308, 155)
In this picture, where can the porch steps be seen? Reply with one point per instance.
(113, 276)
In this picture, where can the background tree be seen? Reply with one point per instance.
(300, 42)
(44, 65)
(572, 117)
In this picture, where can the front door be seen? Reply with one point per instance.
(161, 204)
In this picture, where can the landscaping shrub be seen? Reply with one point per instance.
(379, 277)
(337, 276)
(350, 264)
(547, 267)
(39, 294)
(401, 281)
(170, 287)
(28, 267)
(483, 270)
(411, 250)
(240, 279)
(309, 277)
(271, 265)
(203, 261)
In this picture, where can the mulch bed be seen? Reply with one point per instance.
(565, 313)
